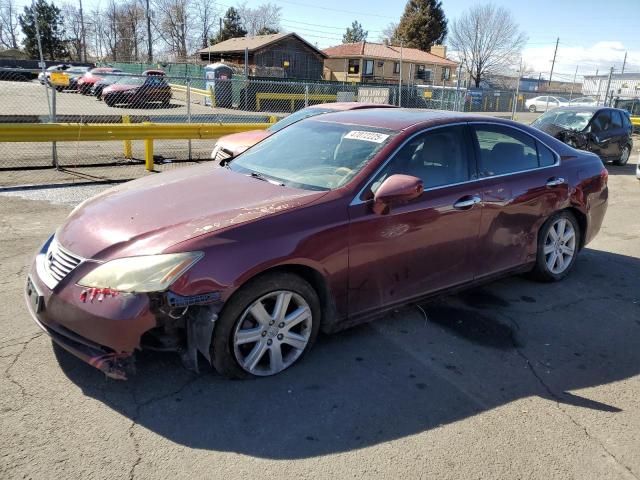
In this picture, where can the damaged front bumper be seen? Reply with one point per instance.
(104, 329)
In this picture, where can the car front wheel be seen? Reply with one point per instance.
(532, 108)
(558, 245)
(266, 327)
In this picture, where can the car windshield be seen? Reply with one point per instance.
(562, 99)
(131, 80)
(312, 154)
(296, 117)
(571, 119)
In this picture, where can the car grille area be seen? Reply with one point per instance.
(59, 263)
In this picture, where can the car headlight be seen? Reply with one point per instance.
(149, 273)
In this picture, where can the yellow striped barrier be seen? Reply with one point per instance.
(635, 121)
(78, 132)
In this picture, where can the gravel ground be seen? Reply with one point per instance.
(513, 380)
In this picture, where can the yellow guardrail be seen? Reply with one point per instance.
(635, 121)
(292, 97)
(78, 132)
(195, 91)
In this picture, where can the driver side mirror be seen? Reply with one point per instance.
(396, 190)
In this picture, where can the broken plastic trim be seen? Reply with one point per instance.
(200, 325)
(178, 301)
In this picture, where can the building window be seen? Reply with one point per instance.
(396, 67)
(446, 73)
(368, 68)
(423, 74)
(354, 66)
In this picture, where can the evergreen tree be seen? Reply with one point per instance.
(231, 27)
(355, 33)
(50, 24)
(423, 24)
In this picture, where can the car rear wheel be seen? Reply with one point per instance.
(266, 327)
(532, 108)
(624, 156)
(558, 245)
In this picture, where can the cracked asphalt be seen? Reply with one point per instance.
(512, 380)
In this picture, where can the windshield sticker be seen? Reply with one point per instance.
(374, 137)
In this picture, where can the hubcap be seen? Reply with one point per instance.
(559, 246)
(272, 333)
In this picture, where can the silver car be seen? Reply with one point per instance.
(545, 102)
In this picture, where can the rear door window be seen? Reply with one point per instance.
(503, 149)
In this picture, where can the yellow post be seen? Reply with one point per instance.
(128, 151)
(148, 153)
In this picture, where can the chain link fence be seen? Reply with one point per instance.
(189, 94)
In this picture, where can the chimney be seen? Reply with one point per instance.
(439, 50)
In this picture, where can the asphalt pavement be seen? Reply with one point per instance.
(516, 379)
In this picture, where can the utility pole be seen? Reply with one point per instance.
(573, 84)
(515, 102)
(400, 81)
(606, 93)
(149, 39)
(624, 63)
(83, 49)
(553, 63)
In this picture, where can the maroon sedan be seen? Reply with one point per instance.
(329, 222)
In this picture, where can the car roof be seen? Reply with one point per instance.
(399, 118)
(339, 106)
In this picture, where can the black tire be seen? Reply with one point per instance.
(541, 271)
(532, 109)
(624, 156)
(224, 359)
(110, 101)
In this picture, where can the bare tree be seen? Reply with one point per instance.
(8, 24)
(73, 29)
(207, 14)
(388, 36)
(175, 25)
(265, 17)
(487, 40)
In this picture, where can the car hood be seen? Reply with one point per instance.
(239, 142)
(149, 215)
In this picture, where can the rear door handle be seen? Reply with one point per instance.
(467, 202)
(555, 182)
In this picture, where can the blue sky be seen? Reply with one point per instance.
(594, 34)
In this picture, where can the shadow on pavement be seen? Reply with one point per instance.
(411, 371)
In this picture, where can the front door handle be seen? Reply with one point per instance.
(555, 182)
(467, 202)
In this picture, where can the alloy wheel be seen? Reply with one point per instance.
(559, 246)
(272, 333)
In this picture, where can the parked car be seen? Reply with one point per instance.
(43, 77)
(583, 102)
(232, 145)
(74, 73)
(119, 77)
(327, 223)
(138, 91)
(86, 82)
(544, 103)
(603, 131)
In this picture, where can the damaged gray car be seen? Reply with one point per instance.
(601, 130)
